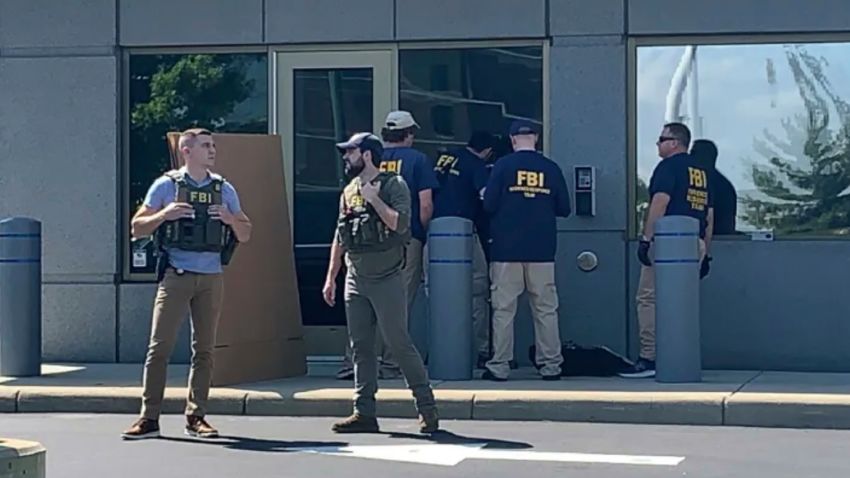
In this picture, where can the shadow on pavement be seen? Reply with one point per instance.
(443, 437)
(257, 444)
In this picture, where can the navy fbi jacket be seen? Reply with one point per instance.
(524, 195)
(462, 175)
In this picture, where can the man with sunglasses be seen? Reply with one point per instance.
(462, 174)
(679, 186)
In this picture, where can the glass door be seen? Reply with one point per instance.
(323, 98)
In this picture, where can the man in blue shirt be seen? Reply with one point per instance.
(462, 174)
(680, 185)
(525, 193)
(191, 198)
(417, 171)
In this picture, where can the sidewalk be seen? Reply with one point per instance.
(738, 398)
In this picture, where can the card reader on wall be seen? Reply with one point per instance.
(585, 188)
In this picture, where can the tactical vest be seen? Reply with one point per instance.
(360, 228)
(200, 234)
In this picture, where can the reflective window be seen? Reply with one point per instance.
(329, 106)
(780, 117)
(452, 92)
(221, 92)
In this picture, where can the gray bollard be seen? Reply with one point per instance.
(450, 298)
(20, 297)
(677, 325)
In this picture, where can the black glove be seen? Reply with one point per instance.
(643, 253)
(705, 266)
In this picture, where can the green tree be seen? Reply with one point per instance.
(176, 92)
(802, 188)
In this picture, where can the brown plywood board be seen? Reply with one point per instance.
(261, 315)
(259, 361)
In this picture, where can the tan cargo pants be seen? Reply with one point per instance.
(646, 307)
(178, 294)
(509, 280)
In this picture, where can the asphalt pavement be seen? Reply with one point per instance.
(89, 445)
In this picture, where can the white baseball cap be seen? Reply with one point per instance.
(400, 120)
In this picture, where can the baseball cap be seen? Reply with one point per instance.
(363, 140)
(481, 140)
(524, 127)
(399, 120)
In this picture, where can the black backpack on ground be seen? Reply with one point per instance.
(592, 361)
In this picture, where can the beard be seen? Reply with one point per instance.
(353, 170)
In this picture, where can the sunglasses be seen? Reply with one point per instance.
(662, 139)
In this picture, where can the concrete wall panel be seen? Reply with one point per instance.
(772, 306)
(297, 21)
(78, 323)
(190, 22)
(51, 23)
(59, 164)
(588, 122)
(583, 17)
(479, 19)
(657, 17)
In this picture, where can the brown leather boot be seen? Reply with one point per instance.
(356, 424)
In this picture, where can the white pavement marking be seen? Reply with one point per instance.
(451, 455)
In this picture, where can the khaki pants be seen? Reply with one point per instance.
(646, 307)
(509, 280)
(480, 298)
(376, 308)
(178, 294)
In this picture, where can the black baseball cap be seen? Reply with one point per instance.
(522, 126)
(481, 140)
(364, 141)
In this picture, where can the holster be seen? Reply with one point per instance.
(161, 264)
(229, 249)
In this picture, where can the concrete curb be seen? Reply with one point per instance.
(705, 408)
(827, 407)
(789, 410)
(118, 400)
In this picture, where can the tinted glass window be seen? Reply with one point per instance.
(453, 92)
(780, 117)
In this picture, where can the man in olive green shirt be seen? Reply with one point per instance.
(372, 231)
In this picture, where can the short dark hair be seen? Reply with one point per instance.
(680, 132)
(481, 140)
(396, 135)
(373, 146)
(188, 138)
(705, 150)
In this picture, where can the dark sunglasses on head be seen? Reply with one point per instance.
(662, 139)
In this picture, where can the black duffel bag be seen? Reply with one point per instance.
(592, 361)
